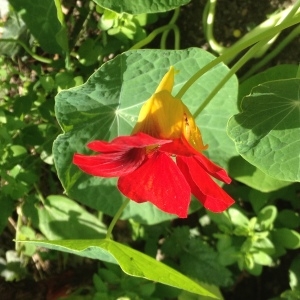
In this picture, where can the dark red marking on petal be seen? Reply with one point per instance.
(123, 143)
(118, 157)
(110, 164)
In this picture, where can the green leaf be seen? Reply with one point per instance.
(294, 274)
(61, 217)
(288, 238)
(41, 20)
(289, 218)
(262, 258)
(271, 74)
(131, 261)
(107, 105)
(13, 28)
(201, 262)
(267, 131)
(140, 6)
(266, 217)
(7, 207)
(248, 174)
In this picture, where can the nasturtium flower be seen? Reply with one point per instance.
(161, 161)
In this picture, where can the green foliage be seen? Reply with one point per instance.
(195, 257)
(101, 109)
(42, 22)
(76, 53)
(255, 242)
(131, 261)
(140, 6)
(266, 132)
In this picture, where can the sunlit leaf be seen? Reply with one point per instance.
(140, 6)
(131, 261)
(267, 131)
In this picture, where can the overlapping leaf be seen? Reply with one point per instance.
(131, 261)
(140, 6)
(267, 131)
(107, 105)
(41, 18)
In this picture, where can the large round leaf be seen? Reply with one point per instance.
(267, 131)
(107, 105)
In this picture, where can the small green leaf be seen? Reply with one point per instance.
(262, 258)
(266, 217)
(140, 6)
(294, 274)
(131, 261)
(267, 131)
(238, 218)
(288, 238)
(289, 218)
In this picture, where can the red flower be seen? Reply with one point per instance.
(161, 161)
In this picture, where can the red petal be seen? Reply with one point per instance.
(212, 168)
(203, 187)
(110, 164)
(159, 181)
(119, 157)
(123, 143)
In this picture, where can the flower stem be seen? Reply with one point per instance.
(116, 218)
(248, 55)
(157, 31)
(237, 48)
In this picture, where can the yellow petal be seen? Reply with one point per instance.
(161, 117)
(191, 132)
(167, 82)
(166, 117)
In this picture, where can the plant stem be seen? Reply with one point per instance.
(159, 30)
(248, 55)
(35, 56)
(116, 218)
(289, 38)
(235, 49)
(210, 26)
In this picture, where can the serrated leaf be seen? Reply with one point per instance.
(140, 6)
(267, 131)
(107, 105)
(131, 261)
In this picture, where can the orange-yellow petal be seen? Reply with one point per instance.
(167, 82)
(166, 117)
